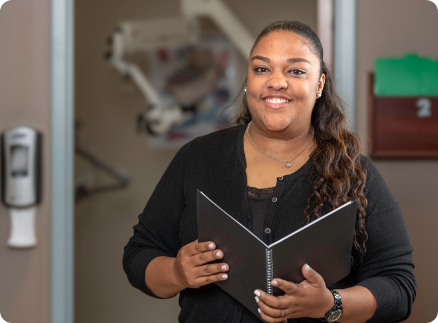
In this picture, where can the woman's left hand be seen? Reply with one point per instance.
(310, 298)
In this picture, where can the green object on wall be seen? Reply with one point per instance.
(406, 76)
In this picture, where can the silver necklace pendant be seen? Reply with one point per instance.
(287, 163)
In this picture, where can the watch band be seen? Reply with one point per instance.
(335, 312)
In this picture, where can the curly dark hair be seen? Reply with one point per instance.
(340, 175)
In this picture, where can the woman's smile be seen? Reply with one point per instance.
(276, 102)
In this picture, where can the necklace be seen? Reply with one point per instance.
(286, 162)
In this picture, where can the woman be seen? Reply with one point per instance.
(290, 159)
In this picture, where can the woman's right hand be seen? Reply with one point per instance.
(191, 266)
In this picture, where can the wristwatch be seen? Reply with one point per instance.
(336, 312)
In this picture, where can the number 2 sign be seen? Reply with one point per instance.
(424, 108)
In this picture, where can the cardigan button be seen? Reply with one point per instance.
(267, 230)
(274, 199)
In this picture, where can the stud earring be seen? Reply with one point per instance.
(245, 89)
(318, 95)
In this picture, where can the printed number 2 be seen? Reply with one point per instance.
(424, 108)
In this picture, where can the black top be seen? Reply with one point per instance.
(215, 164)
(258, 199)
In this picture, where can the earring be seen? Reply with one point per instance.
(318, 95)
(245, 89)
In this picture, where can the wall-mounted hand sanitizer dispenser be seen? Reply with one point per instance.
(21, 182)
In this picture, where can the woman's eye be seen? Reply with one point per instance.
(296, 72)
(260, 69)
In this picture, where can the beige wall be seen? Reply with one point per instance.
(393, 28)
(25, 100)
(107, 110)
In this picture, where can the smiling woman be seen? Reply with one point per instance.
(290, 159)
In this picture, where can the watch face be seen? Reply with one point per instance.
(336, 315)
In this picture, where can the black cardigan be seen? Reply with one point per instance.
(215, 164)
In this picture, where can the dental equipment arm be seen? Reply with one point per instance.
(143, 35)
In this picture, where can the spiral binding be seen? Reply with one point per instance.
(270, 274)
(269, 270)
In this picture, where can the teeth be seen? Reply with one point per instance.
(276, 100)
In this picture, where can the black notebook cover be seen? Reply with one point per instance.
(325, 244)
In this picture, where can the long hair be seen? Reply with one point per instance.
(336, 158)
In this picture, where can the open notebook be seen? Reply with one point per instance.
(325, 244)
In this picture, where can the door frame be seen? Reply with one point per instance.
(62, 161)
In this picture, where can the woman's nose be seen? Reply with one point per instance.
(277, 83)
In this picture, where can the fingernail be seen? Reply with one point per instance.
(274, 282)
(259, 311)
(224, 267)
(307, 268)
(257, 299)
(225, 276)
(211, 246)
(257, 292)
(218, 254)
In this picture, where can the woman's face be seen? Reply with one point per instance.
(283, 80)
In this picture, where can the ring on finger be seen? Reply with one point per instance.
(282, 313)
